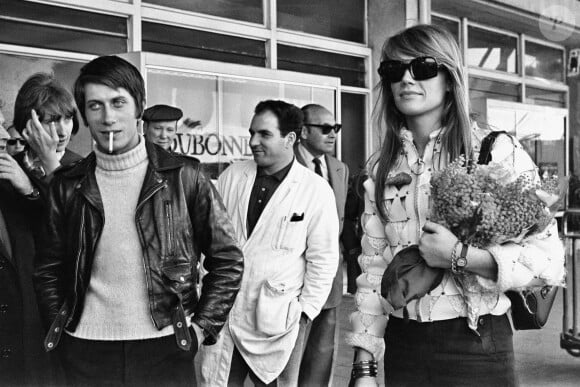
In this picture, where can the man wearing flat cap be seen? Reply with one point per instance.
(160, 125)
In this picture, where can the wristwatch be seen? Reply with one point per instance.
(461, 261)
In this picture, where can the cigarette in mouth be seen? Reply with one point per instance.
(111, 142)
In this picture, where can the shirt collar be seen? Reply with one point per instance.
(406, 134)
(308, 157)
(280, 175)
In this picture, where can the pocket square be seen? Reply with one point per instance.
(297, 218)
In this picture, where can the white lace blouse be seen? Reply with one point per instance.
(540, 257)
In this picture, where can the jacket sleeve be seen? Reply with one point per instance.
(49, 274)
(369, 321)
(539, 259)
(322, 252)
(223, 261)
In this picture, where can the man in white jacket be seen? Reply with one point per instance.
(286, 222)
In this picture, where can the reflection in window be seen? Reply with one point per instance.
(190, 43)
(544, 97)
(340, 19)
(37, 25)
(481, 89)
(450, 25)
(194, 94)
(245, 10)
(491, 50)
(540, 130)
(544, 62)
(350, 69)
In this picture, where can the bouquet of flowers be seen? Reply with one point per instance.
(489, 204)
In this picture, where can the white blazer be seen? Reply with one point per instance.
(290, 261)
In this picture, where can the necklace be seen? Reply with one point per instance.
(414, 160)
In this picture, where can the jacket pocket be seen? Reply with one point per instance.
(177, 278)
(291, 234)
(277, 308)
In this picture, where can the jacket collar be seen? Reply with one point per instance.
(159, 161)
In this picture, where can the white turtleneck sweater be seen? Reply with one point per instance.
(117, 304)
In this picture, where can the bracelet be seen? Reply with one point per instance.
(364, 368)
(360, 374)
(454, 257)
(365, 362)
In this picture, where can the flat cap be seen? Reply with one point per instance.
(162, 113)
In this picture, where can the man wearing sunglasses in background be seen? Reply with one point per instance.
(314, 151)
(15, 144)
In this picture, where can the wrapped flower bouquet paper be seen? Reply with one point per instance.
(484, 205)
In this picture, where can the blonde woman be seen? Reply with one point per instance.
(425, 113)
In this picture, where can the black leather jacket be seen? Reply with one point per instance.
(179, 215)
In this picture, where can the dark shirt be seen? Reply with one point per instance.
(263, 189)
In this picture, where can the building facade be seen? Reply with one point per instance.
(217, 59)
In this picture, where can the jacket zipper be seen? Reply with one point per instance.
(75, 294)
(169, 224)
(142, 238)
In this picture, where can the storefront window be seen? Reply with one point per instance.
(190, 43)
(450, 25)
(544, 97)
(541, 131)
(544, 62)
(482, 89)
(491, 50)
(38, 25)
(245, 10)
(340, 19)
(350, 69)
(218, 111)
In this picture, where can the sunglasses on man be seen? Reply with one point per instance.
(422, 68)
(326, 128)
(14, 141)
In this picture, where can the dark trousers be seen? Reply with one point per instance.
(240, 370)
(353, 270)
(448, 353)
(317, 362)
(152, 362)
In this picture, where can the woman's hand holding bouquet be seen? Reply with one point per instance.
(484, 205)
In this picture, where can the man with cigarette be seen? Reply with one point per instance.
(116, 271)
(285, 220)
(160, 125)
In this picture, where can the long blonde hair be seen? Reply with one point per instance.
(417, 41)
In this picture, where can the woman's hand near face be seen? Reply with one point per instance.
(436, 245)
(42, 142)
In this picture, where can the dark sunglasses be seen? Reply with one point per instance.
(422, 68)
(326, 128)
(13, 141)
